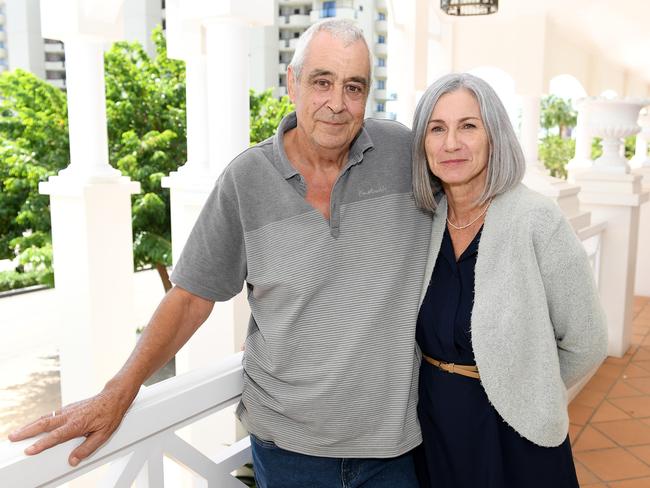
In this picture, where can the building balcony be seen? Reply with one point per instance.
(381, 50)
(282, 68)
(295, 21)
(54, 47)
(2, 19)
(384, 115)
(54, 66)
(3, 36)
(3, 53)
(381, 26)
(380, 94)
(380, 72)
(338, 13)
(59, 82)
(294, 3)
(288, 44)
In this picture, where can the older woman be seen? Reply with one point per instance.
(510, 314)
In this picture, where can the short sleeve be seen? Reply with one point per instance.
(213, 262)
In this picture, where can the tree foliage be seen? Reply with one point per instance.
(33, 146)
(266, 112)
(557, 113)
(145, 107)
(556, 148)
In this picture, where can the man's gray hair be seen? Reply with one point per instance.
(506, 164)
(345, 29)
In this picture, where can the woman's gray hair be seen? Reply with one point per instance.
(345, 29)
(506, 164)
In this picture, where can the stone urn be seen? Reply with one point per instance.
(612, 120)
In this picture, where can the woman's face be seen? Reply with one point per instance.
(456, 143)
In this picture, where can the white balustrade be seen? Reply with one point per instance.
(148, 433)
(582, 157)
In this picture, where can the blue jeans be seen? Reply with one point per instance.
(277, 468)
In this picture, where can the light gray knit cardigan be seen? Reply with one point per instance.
(537, 324)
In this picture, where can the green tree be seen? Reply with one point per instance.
(557, 113)
(33, 146)
(266, 112)
(556, 148)
(145, 107)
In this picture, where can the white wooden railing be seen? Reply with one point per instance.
(591, 238)
(148, 432)
(134, 454)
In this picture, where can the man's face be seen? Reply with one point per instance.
(330, 96)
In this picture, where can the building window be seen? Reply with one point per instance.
(329, 9)
(381, 62)
(296, 11)
(381, 39)
(381, 16)
(381, 84)
(381, 107)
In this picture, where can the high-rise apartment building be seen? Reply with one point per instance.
(295, 16)
(22, 46)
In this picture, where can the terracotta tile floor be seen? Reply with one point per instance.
(610, 417)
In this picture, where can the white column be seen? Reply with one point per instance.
(408, 43)
(215, 46)
(641, 164)
(582, 158)
(537, 177)
(227, 49)
(84, 62)
(91, 234)
(615, 199)
(642, 275)
(615, 196)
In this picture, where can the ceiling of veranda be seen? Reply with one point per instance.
(620, 29)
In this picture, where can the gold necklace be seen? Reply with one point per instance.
(466, 226)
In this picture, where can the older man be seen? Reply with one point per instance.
(320, 223)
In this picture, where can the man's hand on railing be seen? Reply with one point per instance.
(95, 418)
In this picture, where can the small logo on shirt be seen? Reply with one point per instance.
(372, 191)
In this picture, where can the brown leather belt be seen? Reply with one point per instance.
(461, 369)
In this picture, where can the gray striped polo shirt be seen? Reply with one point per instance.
(330, 367)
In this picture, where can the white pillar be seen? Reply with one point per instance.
(616, 199)
(91, 214)
(408, 42)
(537, 177)
(642, 280)
(615, 196)
(582, 158)
(213, 39)
(227, 46)
(87, 112)
(641, 164)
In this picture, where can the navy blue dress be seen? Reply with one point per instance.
(466, 443)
